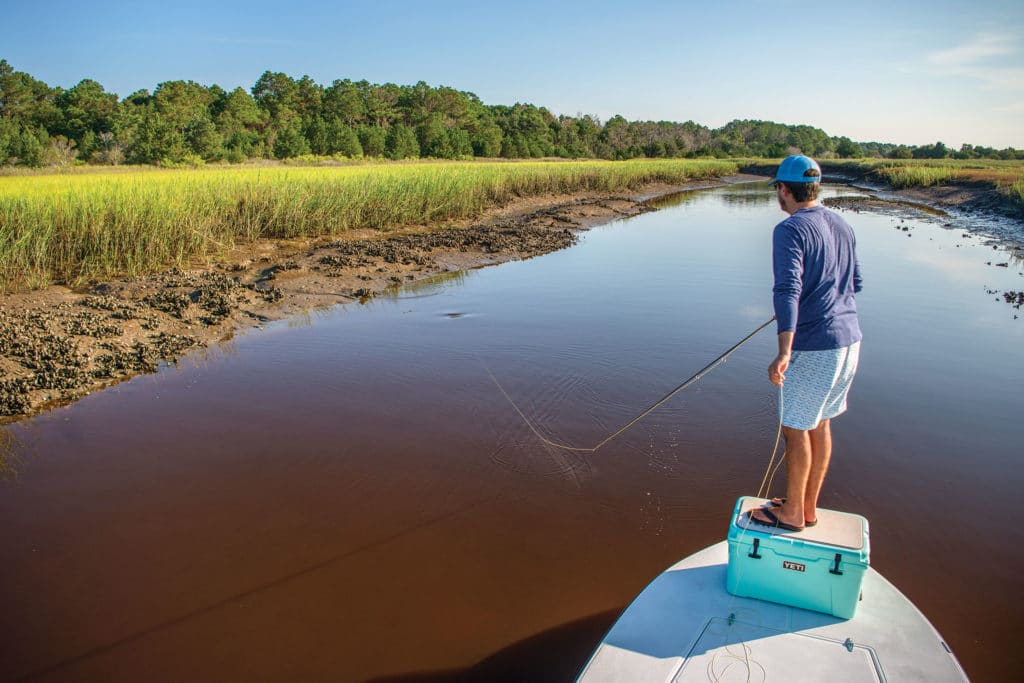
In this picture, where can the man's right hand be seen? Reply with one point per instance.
(777, 370)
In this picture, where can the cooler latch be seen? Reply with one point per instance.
(753, 553)
(835, 567)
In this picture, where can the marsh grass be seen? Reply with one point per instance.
(1016, 194)
(919, 176)
(72, 227)
(926, 172)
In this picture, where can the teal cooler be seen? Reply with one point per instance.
(819, 568)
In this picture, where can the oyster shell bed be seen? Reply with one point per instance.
(60, 352)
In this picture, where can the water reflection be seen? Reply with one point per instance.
(10, 454)
(429, 286)
(746, 194)
(672, 199)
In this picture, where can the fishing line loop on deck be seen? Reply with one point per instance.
(579, 449)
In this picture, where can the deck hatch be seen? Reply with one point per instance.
(740, 651)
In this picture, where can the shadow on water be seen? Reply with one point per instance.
(556, 655)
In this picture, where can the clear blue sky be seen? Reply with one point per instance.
(911, 72)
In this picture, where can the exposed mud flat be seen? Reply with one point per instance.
(986, 210)
(889, 207)
(985, 213)
(965, 197)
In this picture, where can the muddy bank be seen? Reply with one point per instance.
(965, 197)
(58, 345)
(977, 211)
(976, 206)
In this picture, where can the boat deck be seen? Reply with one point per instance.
(685, 627)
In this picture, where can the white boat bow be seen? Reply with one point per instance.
(685, 626)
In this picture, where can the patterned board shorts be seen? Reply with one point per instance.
(816, 386)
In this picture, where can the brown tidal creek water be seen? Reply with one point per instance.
(350, 497)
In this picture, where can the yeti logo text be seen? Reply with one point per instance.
(795, 566)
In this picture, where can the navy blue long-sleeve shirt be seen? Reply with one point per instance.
(814, 258)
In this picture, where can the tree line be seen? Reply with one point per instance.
(280, 117)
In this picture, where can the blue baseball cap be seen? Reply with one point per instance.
(798, 169)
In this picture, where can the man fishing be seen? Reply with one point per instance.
(814, 260)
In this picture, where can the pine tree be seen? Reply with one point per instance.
(346, 142)
(401, 143)
(373, 140)
(290, 142)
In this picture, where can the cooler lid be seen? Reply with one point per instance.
(840, 529)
